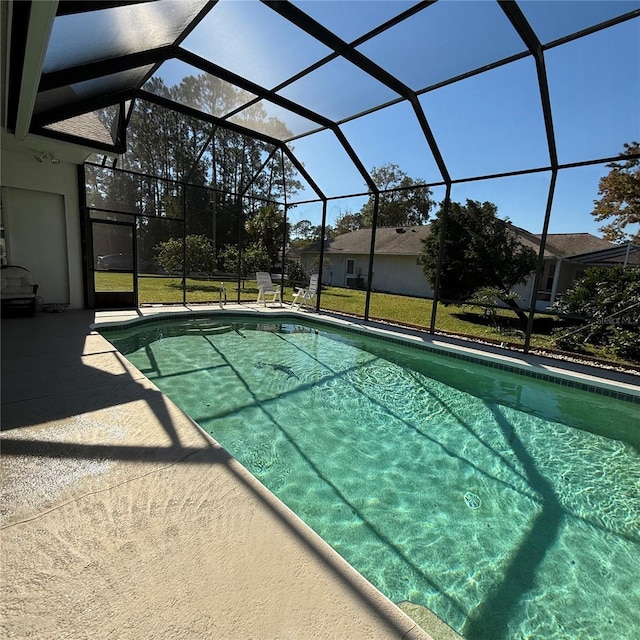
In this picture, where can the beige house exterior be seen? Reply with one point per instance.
(396, 268)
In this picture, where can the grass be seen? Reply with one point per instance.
(462, 320)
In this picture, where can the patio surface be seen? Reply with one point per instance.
(121, 519)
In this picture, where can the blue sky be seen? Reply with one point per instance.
(493, 123)
(484, 124)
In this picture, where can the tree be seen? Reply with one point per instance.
(304, 233)
(302, 230)
(329, 233)
(265, 230)
(620, 201)
(348, 221)
(408, 205)
(480, 250)
(199, 256)
(254, 258)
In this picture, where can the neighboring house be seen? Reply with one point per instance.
(396, 268)
(572, 253)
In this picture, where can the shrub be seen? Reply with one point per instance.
(295, 272)
(569, 340)
(625, 343)
(200, 255)
(254, 258)
(608, 298)
(602, 292)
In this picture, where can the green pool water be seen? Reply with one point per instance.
(508, 506)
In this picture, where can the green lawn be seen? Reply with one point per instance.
(417, 312)
(467, 321)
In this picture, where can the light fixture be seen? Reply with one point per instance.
(41, 156)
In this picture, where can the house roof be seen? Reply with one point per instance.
(389, 240)
(615, 254)
(570, 244)
(86, 125)
(532, 241)
(585, 247)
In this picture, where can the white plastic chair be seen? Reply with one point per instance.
(266, 288)
(18, 288)
(304, 296)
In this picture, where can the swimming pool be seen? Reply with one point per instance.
(508, 505)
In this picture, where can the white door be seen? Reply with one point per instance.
(349, 278)
(36, 236)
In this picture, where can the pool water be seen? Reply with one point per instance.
(508, 506)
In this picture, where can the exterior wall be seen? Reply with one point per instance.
(569, 273)
(524, 291)
(547, 282)
(400, 274)
(391, 273)
(335, 267)
(566, 273)
(43, 252)
(26, 182)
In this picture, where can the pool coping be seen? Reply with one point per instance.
(605, 382)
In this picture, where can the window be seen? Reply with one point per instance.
(552, 271)
(350, 266)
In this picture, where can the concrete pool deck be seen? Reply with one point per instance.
(121, 518)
